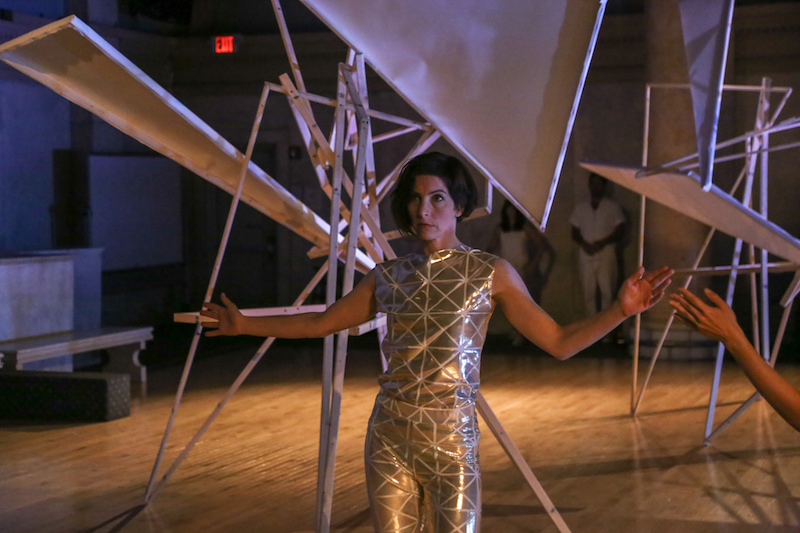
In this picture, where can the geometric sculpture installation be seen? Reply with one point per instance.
(676, 186)
(526, 64)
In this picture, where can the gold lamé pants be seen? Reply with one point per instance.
(423, 472)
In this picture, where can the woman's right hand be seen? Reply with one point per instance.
(225, 319)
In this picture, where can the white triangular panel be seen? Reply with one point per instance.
(714, 207)
(500, 79)
(706, 32)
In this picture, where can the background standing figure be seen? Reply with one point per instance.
(598, 225)
(421, 452)
(527, 249)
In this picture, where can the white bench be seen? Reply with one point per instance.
(122, 345)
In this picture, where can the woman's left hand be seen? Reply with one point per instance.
(643, 290)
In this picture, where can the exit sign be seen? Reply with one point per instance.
(224, 44)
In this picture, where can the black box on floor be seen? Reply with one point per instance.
(74, 396)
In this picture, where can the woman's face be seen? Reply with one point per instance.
(433, 213)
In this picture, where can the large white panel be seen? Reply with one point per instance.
(500, 79)
(714, 207)
(74, 61)
(706, 31)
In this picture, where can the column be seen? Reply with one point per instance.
(670, 238)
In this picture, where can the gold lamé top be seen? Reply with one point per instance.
(437, 310)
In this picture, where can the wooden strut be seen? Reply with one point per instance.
(637, 331)
(323, 517)
(372, 209)
(346, 87)
(747, 200)
(636, 400)
(762, 121)
(235, 386)
(209, 291)
(519, 461)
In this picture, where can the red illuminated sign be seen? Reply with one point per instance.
(223, 44)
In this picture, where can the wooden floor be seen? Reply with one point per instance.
(255, 469)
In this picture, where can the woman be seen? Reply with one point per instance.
(527, 250)
(422, 441)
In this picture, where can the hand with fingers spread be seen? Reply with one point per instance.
(718, 321)
(715, 321)
(643, 290)
(639, 293)
(227, 319)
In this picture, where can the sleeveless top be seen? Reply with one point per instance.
(437, 311)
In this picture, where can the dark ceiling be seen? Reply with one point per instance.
(248, 17)
(257, 16)
(219, 16)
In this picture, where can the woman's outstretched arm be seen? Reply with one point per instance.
(353, 309)
(718, 322)
(638, 293)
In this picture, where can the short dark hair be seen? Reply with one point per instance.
(451, 170)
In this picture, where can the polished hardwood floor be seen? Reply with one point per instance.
(255, 469)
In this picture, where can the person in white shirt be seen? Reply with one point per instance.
(598, 225)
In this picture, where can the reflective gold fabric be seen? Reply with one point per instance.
(437, 309)
(422, 443)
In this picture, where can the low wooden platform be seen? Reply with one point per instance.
(64, 396)
(122, 344)
(255, 469)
